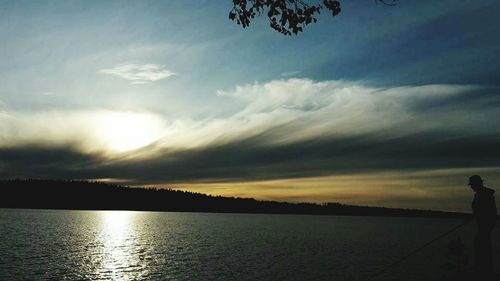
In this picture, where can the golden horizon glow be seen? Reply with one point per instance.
(442, 189)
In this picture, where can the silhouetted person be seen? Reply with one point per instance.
(485, 213)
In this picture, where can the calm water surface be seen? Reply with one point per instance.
(122, 245)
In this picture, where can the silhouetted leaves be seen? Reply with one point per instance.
(285, 16)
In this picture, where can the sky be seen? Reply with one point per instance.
(383, 106)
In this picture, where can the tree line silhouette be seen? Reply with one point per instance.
(92, 195)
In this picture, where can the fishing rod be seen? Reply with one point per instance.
(400, 260)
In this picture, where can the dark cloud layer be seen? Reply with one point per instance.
(248, 160)
(40, 162)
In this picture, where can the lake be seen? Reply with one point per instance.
(126, 245)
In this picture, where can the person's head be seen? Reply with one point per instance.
(475, 182)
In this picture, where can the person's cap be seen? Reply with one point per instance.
(475, 178)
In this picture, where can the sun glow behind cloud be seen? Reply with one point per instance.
(103, 131)
(125, 131)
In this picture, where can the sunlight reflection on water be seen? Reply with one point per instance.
(124, 245)
(118, 258)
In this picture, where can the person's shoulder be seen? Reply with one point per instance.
(489, 191)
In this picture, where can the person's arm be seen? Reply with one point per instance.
(468, 218)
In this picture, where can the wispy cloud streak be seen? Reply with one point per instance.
(139, 74)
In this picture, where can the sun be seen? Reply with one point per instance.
(126, 131)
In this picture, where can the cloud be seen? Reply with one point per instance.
(104, 132)
(277, 130)
(39, 161)
(139, 74)
(287, 74)
(295, 110)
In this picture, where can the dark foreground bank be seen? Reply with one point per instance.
(86, 195)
